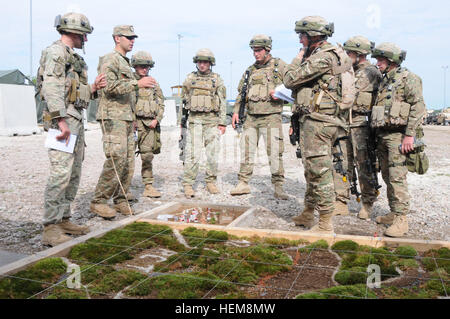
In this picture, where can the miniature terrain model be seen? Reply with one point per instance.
(148, 261)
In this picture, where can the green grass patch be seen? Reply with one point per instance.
(442, 257)
(405, 264)
(116, 281)
(66, 293)
(41, 275)
(341, 292)
(114, 246)
(352, 276)
(181, 286)
(244, 265)
(345, 245)
(405, 252)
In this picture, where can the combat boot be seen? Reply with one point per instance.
(151, 192)
(340, 208)
(324, 225)
(131, 197)
(124, 208)
(386, 219)
(103, 211)
(366, 211)
(399, 227)
(279, 192)
(70, 228)
(306, 218)
(212, 188)
(53, 235)
(241, 189)
(189, 191)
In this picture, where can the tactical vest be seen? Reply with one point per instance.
(203, 93)
(147, 104)
(391, 109)
(261, 82)
(334, 91)
(366, 87)
(77, 90)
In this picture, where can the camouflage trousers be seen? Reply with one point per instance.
(393, 170)
(359, 137)
(316, 141)
(118, 146)
(270, 128)
(146, 140)
(202, 132)
(64, 178)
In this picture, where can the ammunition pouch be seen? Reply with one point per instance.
(203, 97)
(363, 102)
(146, 106)
(393, 116)
(417, 162)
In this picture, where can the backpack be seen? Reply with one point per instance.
(344, 69)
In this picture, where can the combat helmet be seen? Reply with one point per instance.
(389, 51)
(142, 58)
(314, 25)
(73, 23)
(261, 41)
(359, 44)
(205, 55)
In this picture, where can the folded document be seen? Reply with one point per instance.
(282, 93)
(53, 143)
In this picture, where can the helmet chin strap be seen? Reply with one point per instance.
(82, 44)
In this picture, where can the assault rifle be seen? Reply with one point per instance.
(295, 136)
(183, 133)
(371, 162)
(339, 167)
(242, 105)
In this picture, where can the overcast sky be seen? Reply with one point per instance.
(226, 27)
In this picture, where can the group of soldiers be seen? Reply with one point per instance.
(340, 100)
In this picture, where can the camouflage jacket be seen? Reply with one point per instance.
(368, 78)
(400, 98)
(262, 79)
(118, 98)
(150, 103)
(306, 78)
(205, 93)
(63, 76)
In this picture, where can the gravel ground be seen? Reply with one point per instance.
(24, 171)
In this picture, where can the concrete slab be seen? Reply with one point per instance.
(7, 257)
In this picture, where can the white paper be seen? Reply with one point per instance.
(282, 93)
(53, 143)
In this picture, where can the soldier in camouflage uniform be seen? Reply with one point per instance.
(116, 116)
(149, 113)
(203, 96)
(263, 116)
(63, 84)
(368, 78)
(322, 80)
(397, 115)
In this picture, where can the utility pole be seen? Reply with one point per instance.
(445, 84)
(31, 38)
(179, 58)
